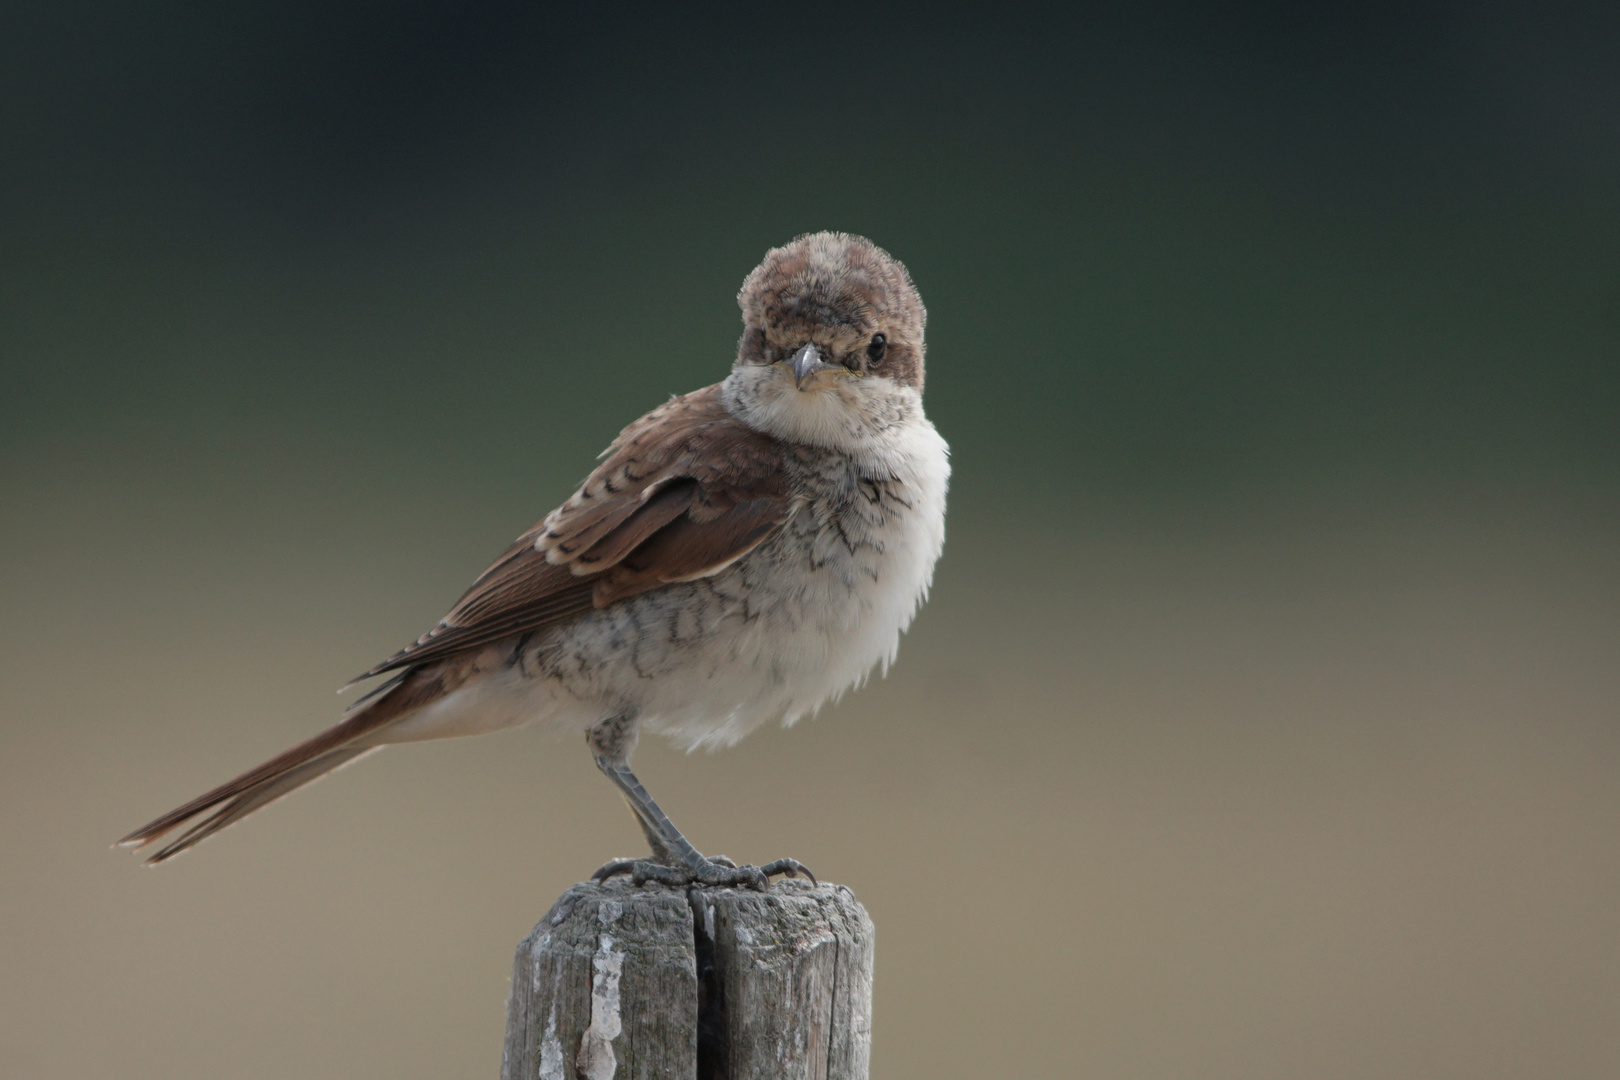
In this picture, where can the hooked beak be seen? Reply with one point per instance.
(805, 363)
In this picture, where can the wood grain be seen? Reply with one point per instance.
(621, 982)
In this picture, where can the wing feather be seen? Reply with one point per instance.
(683, 492)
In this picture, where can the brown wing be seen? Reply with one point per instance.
(682, 493)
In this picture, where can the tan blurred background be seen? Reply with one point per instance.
(1263, 721)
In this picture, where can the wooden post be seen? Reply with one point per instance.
(694, 984)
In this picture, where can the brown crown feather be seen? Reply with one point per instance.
(837, 290)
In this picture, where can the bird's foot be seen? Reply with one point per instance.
(719, 872)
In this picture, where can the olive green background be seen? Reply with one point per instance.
(1263, 721)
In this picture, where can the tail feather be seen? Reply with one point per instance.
(263, 794)
(337, 746)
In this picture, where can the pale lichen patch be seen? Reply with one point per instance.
(596, 1059)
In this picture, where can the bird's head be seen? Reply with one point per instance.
(832, 337)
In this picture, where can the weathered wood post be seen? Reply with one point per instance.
(718, 984)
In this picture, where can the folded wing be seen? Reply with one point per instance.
(682, 493)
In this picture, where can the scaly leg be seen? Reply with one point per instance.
(675, 861)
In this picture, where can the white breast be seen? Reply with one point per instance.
(794, 624)
(803, 618)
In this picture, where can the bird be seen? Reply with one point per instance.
(744, 553)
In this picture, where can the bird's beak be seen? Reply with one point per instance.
(805, 363)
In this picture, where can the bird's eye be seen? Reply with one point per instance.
(875, 347)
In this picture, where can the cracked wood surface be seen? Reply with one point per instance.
(709, 984)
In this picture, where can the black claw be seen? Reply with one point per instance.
(616, 866)
(790, 867)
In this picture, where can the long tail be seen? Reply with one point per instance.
(333, 748)
(237, 807)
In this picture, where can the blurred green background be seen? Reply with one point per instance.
(1263, 722)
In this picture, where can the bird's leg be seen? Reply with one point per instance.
(661, 851)
(675, 861)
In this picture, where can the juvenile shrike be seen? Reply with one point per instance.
(743, 553)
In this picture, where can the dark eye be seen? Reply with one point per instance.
(875, 347)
